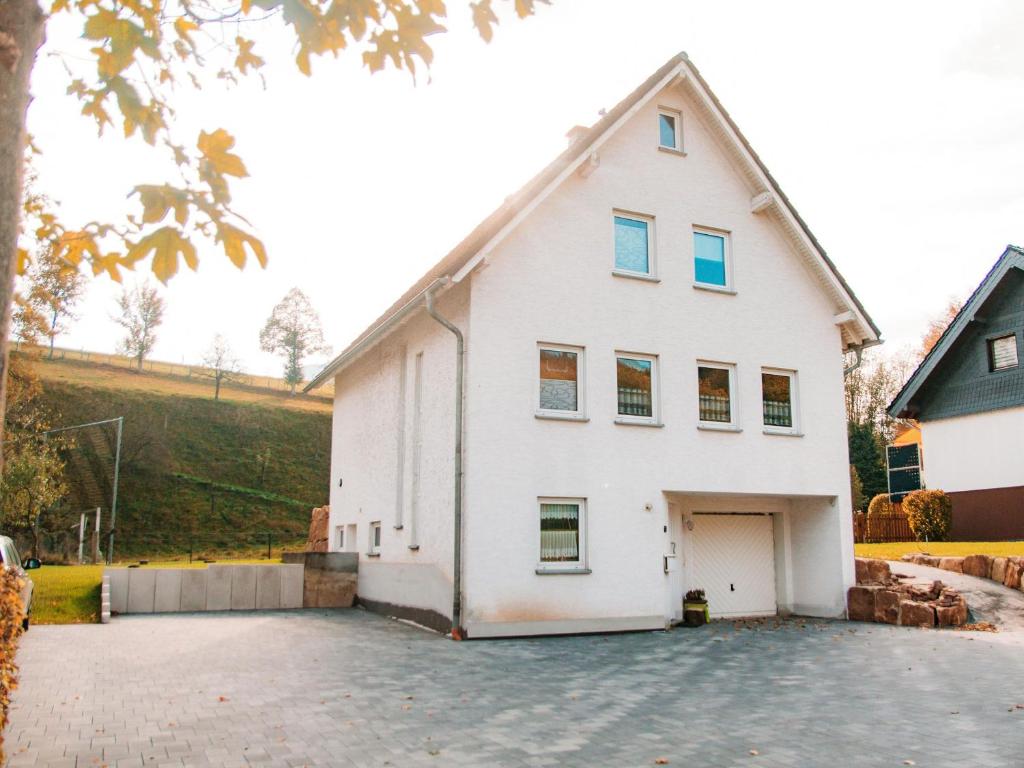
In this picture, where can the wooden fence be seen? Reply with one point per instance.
(882, 528)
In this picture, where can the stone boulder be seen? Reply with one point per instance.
(915, 614)
(860, 603)
(872, 571)
(954, 615)
(317, 540)
(887, 606)
(997, 572)
(977, 565)
(954, 564)
(1012, 577)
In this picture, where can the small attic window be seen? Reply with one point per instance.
(1002, 353)
(670, 130)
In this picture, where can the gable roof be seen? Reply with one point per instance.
(1013, 257)
(478, 243)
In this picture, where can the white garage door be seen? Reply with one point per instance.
(734, 563)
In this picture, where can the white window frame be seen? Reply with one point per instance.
(726, 235)
(652, 250)
(794, 402)
(580, 414)
(734, 406)
(654, 420)
(676, 115)
(374, 546)
(563, 566)
(990, 352)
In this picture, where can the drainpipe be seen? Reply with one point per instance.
(460, 356)
(858, 350)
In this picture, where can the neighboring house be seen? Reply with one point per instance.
(653, 396)
(968, 399)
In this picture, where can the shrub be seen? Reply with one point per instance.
(930, 514)
(879, 506)
(10, 630)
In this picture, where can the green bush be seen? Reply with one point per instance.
(930, 514)
(879, 506)
(11, 613)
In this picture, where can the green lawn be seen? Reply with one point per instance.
(70, 594)
(941, 549)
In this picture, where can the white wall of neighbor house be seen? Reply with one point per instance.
(552, 281)
(387, 477)
(974, 452)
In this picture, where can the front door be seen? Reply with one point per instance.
(734, 563)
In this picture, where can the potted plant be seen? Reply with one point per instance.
(695, 608)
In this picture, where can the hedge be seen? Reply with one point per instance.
(930, 514)
(879, 506)
(11, 613)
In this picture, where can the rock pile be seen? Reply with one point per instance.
(1007, 571)
(317, 540)
(881, 597)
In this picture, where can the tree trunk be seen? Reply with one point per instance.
(53, 332)
(22, 25)
(216, 387)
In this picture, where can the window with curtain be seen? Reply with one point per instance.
(635, 386)
(559, 380)
(709, 259)
(668, 127)
(777, 399)
(714, 393)
(560, 532)
(632, 245)
(1002, 353)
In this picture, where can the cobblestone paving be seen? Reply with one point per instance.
(348, 688)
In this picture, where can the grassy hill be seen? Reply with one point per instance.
(213, 475)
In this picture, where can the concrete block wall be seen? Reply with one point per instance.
(215, 588)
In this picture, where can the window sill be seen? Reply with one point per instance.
(562, 571)
(636, 276)
(705, 427)
(633, 423)
(783, 432)
(548, 416)
(714, 288)
(373, 554)
(671, 150)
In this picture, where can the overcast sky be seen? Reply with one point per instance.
(897, 130)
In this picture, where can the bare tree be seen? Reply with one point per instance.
(142, 311)
(221, 364)
(293, 330)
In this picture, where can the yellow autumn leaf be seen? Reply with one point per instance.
(73, 246)
(22, 261)
(234, 241)
(158, 200)
(214, 148)
(246, 58)
(165, 244)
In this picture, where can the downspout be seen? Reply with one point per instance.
(460, 355)
(858, 350)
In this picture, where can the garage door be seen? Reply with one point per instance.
(734, 563)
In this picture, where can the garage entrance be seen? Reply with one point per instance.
(734, 563)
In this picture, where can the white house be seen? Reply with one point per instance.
(652, 397)
(968, 399)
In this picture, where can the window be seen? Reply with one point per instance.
(778, 400)
(715, 385)
(710, 252)
(375, 538)
(670, 123)
(636, 379)
(1002, 353)
(562, 534)
(633, 244)
(340, 537)
(561, 390)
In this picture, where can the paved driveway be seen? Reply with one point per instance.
(348, 688)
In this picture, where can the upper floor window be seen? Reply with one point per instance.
(715, 387)
(375, 538)
(710, 258)
(636, 380)
(633, 244)
(670, 133)
(561, 391)
(778, 400)
(562, 534)
(1002, 353)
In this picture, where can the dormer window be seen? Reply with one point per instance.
(1002, 353)
(670, 130)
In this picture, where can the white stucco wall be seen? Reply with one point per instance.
(551, 281)
(975, 452)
